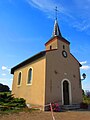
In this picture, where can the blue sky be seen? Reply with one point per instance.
(25, 25)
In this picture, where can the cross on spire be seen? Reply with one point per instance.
(56, 12)
(56, 30)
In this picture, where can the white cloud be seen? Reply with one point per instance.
(5, 68)
(73, 12)
(83, 62)
(81, 26)
(3, 74)
(43, 4)
(48, 6)
(85, 67)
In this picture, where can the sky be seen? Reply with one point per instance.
(26, 25)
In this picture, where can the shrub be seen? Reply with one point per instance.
(86, 99)
(20, 102)
(9, 102)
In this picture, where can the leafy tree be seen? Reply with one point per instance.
(4, 88)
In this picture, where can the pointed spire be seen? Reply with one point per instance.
(56, 30)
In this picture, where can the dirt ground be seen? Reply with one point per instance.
(38, 115)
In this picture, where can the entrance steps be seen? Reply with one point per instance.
(70, 107)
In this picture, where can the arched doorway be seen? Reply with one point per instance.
(66, 93)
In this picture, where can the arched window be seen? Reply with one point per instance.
(29, 76)
(19, 78)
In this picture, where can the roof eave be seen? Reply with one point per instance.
(31, 59)
(60, 37)
(76, 60)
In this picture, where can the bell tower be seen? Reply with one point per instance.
(53, 42)
(57, 41)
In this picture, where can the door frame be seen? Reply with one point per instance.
(70, 95)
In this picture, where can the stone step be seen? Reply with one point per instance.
(70, 107)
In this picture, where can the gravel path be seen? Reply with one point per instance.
(38, 115)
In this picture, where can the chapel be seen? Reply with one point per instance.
(52, 75)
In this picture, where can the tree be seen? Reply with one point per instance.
(4, 88)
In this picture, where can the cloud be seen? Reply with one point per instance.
(81, 26)
(85, 67)
(5, 68)
(83, 62)
(3, 74)
(71, 12)
(43, 4)
(48, 6)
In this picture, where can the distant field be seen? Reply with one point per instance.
(38, 115)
